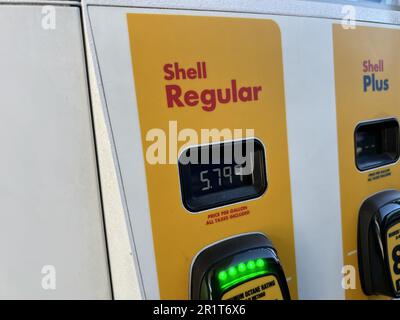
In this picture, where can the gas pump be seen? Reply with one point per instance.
(173, 75)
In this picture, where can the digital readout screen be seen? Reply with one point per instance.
(219, 174)
(377, 143)
(211, 178)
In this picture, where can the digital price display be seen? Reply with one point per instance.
(220, 174)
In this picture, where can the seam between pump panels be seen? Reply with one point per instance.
(94, 137)
(103, 98)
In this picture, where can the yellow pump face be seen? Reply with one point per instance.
(393, 248)
(194, 74)
(367, 73)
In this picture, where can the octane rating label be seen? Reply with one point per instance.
(264, 288)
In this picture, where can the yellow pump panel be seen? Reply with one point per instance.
(363, 55)
(223, 52)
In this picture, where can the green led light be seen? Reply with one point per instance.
(260, 263)
(232, 271)
(243, 279)
(242, 272)
(251, 265)
(242, 267)
(222, 276)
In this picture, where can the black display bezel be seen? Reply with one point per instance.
(363, 164)
(225, 197)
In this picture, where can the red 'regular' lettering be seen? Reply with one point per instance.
(173, 94)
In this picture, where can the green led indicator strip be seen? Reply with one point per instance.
(242, 272)
(244, 278)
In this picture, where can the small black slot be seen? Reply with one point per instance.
(376, 143)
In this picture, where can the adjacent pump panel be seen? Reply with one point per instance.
(194, 73)
(51, 233)
(367, 73)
